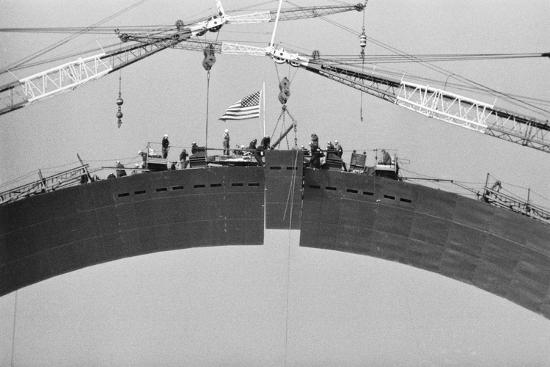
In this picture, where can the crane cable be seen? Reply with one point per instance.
(290, 199)
(513, 100)
(13, 329)
(68, 38)
(396, 59)
(208, 67)
(363, 44)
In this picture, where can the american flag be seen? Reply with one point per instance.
(245, 108)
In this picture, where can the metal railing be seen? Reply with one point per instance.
(59, 180)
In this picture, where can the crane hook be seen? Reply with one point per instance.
(119, 102)
(209, 57)
(284, 87)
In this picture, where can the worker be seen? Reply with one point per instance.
(266, 143)
(252, 145)
(194, 148)
(165, 146)
(316, 154)
(315, 139)
(339, 152)
(386, 158)
(183, 159)
(143, 158)
(338, 148)
(254, 150)
(120, 172)
(136, 169)
(226, 142)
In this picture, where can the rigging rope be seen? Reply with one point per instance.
(207, 101)
(510, 98)
(363, 44)
(13, 330)
(290, 198)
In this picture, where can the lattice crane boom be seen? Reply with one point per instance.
(72, 74)
(443, 105)
(66, 77)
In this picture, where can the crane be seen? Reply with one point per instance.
(433, 102)
(68, 76)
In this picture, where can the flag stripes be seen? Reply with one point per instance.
(245, 108)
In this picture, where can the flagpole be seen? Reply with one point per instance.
(263, 101)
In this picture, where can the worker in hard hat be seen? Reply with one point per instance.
(340, 152)
(226, 142)
(338, 148)
(165, 146)
(143, 158)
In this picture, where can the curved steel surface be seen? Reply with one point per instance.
(54, 233)
(493, 249)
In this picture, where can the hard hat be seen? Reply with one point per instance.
(336, 141)
(118, 161)
(226, 131)
(139, 152)
(137, 165)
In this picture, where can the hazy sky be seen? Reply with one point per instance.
(227, 305)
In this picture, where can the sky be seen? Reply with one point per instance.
(208, 306)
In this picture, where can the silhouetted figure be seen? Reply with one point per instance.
(165, 146)
(386, 158)
(266, 143)
(254, 150)
(316, 154)
(183, 159)
(120, 172)
(194, 148)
